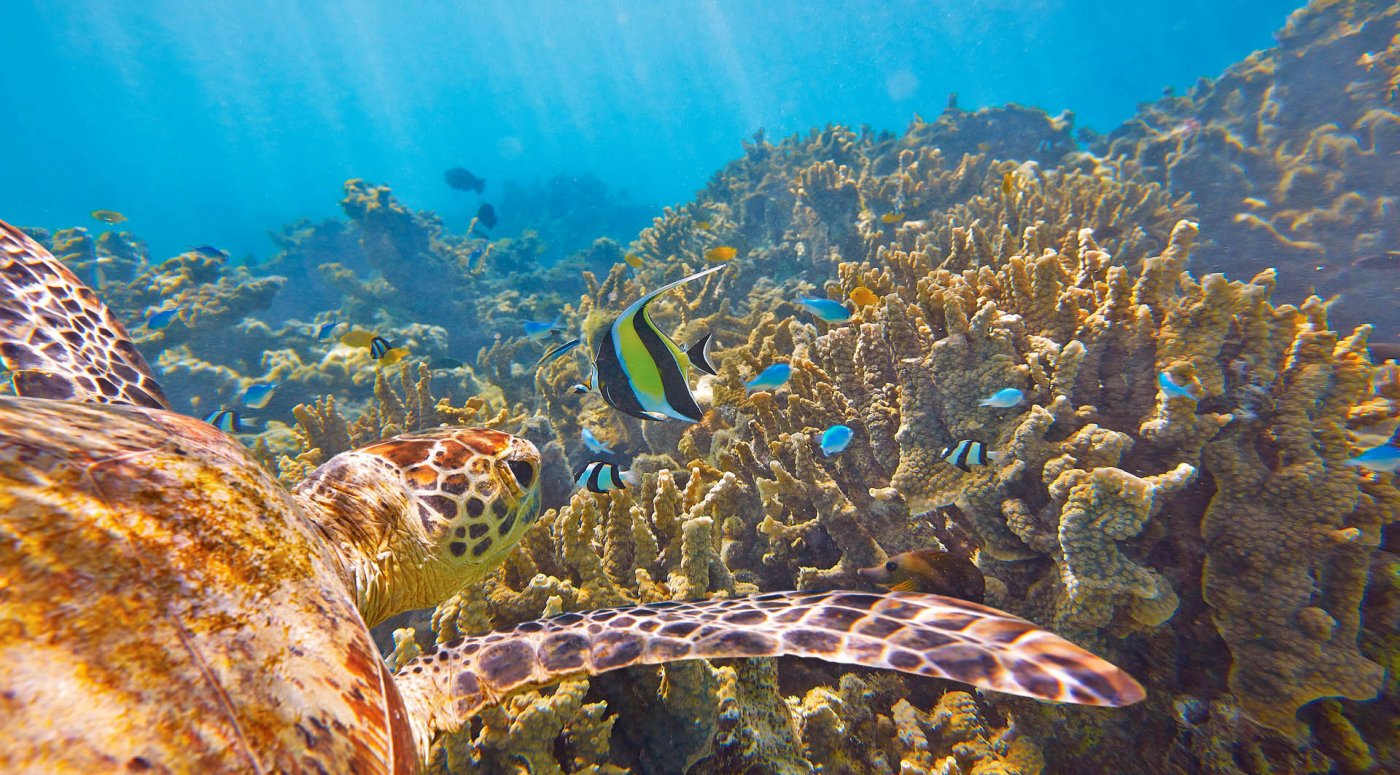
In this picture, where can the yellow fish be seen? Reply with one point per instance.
(863, 296)
(702, 225)
(633, 261)
(108, 216)
(721, 254)
(892, 217)
(930, 571)
(379, 347)
(1008, 183)
(358, 338)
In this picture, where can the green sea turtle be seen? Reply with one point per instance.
(166, 605)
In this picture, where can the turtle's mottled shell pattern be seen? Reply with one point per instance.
(166, 603)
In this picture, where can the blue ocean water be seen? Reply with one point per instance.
(215, 122)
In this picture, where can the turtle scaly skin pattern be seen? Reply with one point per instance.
(166, 605)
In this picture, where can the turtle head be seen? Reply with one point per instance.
(417, 517)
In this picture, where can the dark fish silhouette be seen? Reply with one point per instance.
(931, 571)
(486, 216)
(462, 179)
(210, 251)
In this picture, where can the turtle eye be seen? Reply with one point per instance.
(891, 566)
(523, 472)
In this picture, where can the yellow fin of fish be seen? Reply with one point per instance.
(905, 585)
(721, 253)
(357, 338)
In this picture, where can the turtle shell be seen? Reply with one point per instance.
(165, 606)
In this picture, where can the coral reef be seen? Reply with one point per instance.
(1292, 156)
(1211, 539)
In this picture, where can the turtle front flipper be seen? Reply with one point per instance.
(58, 339)
(928, 635)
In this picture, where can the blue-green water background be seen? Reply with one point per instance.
(215, 122)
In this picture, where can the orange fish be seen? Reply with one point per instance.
(721, 254)
(930, 571)
(891, 217)
(108, 216)
(633, 261)
(863, 296)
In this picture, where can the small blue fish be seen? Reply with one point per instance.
(474, 257)
(1173, 390)
(324, 332)
(535, 330)
(826, 309)
(1003, 399)
(257, 396)
(228, 421)
(159, 320)
(771, 378)
(1385, 458)
(557, 351)
(835, 439)
(210, 251)
(593, 444)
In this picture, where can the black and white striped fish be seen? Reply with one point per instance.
(641, 372)
(967, 453)
(602, 477)
(228, 421)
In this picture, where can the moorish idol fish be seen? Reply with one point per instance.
(602, 477)
(557, 351)
(966, 454)
(228, 421)
(930, 571)
(640, 372)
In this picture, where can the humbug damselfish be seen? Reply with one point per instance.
(639, 371)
